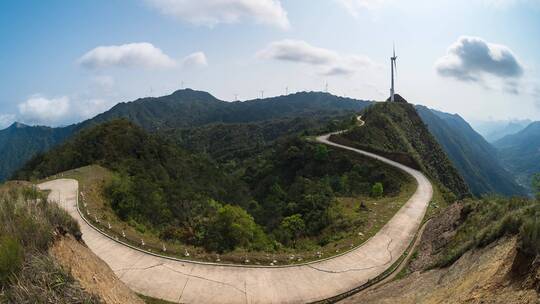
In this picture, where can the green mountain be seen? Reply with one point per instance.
(397, 131)
(186, 109)
(19, 143)
(520, 153)
(474, 158)
(190, 108)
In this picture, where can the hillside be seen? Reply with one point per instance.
(39, 243)
(395, 130)
(474, 158)
(474, 251)
(296, 192)
(184, 109)
(20, 142)
(520, 153)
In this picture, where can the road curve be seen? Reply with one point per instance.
(186, 282)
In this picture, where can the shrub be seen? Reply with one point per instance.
(377, 190)
(529, 236)
(11, 258)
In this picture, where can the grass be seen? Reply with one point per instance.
(366, 223)
(491, 218)
(29, 226)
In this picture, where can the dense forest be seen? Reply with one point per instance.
(273, 199)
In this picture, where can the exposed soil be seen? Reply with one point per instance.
(91, 272)
(438, 233)
(479, 276)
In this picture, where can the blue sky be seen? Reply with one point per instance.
(64, 61)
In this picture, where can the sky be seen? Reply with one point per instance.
(65, 61)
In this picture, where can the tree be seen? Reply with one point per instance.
(377, 190)
(233, 227)
(321, 153)
(535, 184)
(291, 228)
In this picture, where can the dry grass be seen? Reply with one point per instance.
(29, 226)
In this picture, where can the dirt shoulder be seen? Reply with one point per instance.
(91, 272)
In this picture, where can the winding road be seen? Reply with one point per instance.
(191, 282)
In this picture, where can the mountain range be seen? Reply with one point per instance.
(200, 122)
(472, 155)
(520, 153)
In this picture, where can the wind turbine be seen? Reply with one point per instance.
(392, 66)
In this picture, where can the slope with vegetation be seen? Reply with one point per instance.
(19, 143)
(297, 195)
(520, 153)
(30, 225)
(185, 109)
(396, 131)
(475, 251)
(474, 158)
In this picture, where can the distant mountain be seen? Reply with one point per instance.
(19, 143)
(520, 153)
(475, 159)
(182, 109)
(396, 131)
(190, 108)
(494, 130)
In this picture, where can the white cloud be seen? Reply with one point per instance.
(195, 60)
(6, 120)
(355, 7)
(40, 110)
(128, 55)
(331, 62)
(212, 12)
(472, 59)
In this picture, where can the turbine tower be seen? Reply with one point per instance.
(392, 66)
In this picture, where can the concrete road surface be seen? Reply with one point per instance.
(189, 282)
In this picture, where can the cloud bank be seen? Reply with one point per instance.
(213, 12)
(331, 62)
(472, 59)
(41, 110)
(129, 55)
